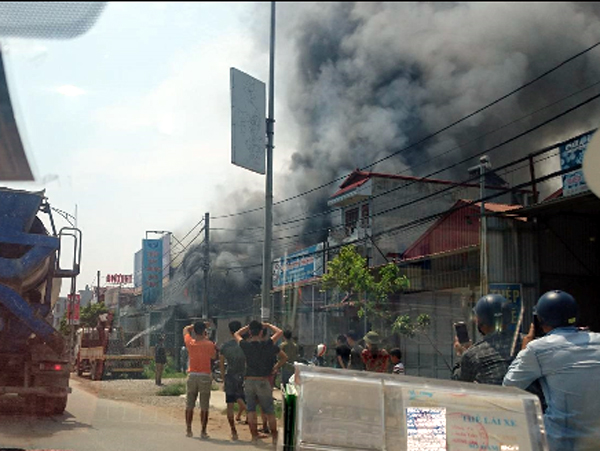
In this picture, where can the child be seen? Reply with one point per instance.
(396, 356)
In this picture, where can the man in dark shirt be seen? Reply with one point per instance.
(356, 361)
(259, 366)
(342, 352)
(234, 377)
(160, 359)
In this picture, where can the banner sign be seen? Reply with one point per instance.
(571, 155)
(74, 318)
(152, 270)
(300, 266)
(513, 292)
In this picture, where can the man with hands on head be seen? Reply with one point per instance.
(202, 352)
(259, 366)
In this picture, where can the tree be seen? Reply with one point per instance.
(89, 314)
(349, 273)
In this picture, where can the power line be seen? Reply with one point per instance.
(429, 218)
(489, 105)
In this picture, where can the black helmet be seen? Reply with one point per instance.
(491, 310)
(556, 309)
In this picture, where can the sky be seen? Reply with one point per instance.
(129, 124)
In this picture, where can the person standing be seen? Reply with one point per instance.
(160, 360)
(183, 359)
(356, 362)
(566, 362)
(375, 359)
(259, 366)
(396, 359)
(201, 352)
(342, 352)
(291, 351)
(486, 361)
(233, 379)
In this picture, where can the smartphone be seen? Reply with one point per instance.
(537, 327)
(461, 332)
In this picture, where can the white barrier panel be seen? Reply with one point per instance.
(352, 410)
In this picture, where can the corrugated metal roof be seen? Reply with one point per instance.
(456, 230)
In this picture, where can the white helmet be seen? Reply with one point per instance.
(321, 350)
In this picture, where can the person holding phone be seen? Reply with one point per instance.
(486, 361)
(566, 363)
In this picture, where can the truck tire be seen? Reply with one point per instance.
(58, 405)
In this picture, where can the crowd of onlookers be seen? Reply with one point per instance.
(557, 360)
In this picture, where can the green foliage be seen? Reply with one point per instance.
(176, 389)
(64, 328)
(349, 273)
(404, 325)
(89, 314)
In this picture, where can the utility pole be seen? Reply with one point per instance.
(484, 164)
(98, 288)
(267, 275)
(206, 264)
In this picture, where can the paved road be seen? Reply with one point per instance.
(94, 424)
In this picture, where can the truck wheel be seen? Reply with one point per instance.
(59, 405)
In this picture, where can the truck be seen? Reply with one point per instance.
(35, 361)
(101, 352)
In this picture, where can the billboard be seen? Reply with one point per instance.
(571, 155)
(301, 266)
(152, 270)
(248, 121)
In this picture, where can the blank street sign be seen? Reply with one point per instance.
(248, 121)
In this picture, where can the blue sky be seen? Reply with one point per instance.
(134, 119)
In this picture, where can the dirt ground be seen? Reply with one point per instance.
(144, 392)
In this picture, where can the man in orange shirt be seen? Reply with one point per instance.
(201, 353)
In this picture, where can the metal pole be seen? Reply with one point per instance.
(98, 289)
(483, 239)
(313, 314)
(206, 264)
(267, 270)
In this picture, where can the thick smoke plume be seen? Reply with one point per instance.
(364, 80)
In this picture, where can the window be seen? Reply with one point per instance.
(351, 219)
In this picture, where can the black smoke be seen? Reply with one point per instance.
(362, 81)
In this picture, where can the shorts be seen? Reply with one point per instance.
(234, 388)
(259, 390)
(198, 385)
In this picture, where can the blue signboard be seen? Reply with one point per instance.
(571, 154)
(152, 271)
(300, 266)
(513, 292)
